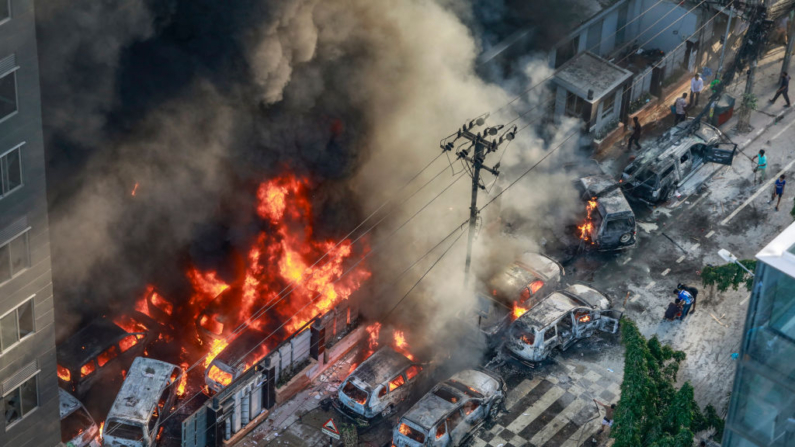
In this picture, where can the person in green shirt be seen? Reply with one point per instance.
(761, 167)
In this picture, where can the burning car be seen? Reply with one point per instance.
(451, 412)
(244, 351)
(219, 319)
(674, 158)
(145, 399)
(519, 286)
(610, 224)
(78, 428)
(378, 385)
(101, 351)
(559, 321)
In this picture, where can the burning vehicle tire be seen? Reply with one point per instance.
(101, 352)
(379, 384)
(560, 320)
(144, 401)
(78, 428)
(519, 286)
(452, 411)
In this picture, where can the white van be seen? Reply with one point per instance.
(145, 399)
(78, 428)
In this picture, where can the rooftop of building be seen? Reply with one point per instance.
(780, 252)
(589, 72)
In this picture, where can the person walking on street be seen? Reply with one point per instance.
(761, 166)
(681, 108)
(636, 127)
(696, 86)
(779, 191)
(687, 300)
(783, 89)
(607, 421)
(693, 293)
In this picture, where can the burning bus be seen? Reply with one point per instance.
(102, 351)
(378, 385)
(514, 289)
(560, 320)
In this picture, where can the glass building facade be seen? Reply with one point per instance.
(762, 409)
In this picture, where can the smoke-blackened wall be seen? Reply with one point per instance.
(195, 101)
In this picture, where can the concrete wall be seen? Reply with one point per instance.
(670, 37)
(598, 35)
(40, 428)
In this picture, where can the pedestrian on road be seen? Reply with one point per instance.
(674, 310)
(761, 167)
(779, 191)
(607, 421)
(696, 86)
(681, 108)
(687, 301)
(783, 89)
(693, 293)
(636, 128)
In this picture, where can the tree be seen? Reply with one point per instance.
(728, 275)
(651, 411)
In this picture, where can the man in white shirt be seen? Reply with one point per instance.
(696, 85)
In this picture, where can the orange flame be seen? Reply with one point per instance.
(401, 346)
(101, 427)
(207, 286)
(586, 227)
(584, 319)
(518, 310)
(220, 376)
(130, 325)
(161, 303)
(135, 188)
(217, 346)
(64, 374)
(183, 379)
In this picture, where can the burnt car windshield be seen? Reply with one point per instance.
(447, 394)
(464, 389)
(648, 177)
(355, 393)
(525, 335)
(125, 431)
(74, 425)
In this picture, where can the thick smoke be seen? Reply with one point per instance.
(197, 101)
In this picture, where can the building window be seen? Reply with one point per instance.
(16, 325)
(564, 52)
(608, 105)
(14, 257)
(20, 401)
(5, 11)
(10, 171)
(574, 105)
(8, 94)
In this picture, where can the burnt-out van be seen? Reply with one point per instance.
(78, 428)
(248, 348)
(144, 401)
(612, 221)
(560, 320)
(99, 353)
(378, 385)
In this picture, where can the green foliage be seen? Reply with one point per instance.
(792, 211)
(749, 101)
(349, 434)
(638, 104)
(728, 275)
(652, 412)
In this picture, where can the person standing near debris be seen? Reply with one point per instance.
(636, 128)
(779, 191)
(681, 108)
(696, 86)
(607, 421)
(783, 89)
(693, 293)
(687, 301)
(761, 166)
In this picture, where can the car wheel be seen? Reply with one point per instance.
(625, 238)
(496, 408)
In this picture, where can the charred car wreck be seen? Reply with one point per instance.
(452, 411)
(610, 223)
(519, 284)
(560, 320)
(377, 386)
(665, 165)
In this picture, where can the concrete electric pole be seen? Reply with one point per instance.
(481, 146)
(790, 41)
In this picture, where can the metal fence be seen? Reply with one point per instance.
(247, 397)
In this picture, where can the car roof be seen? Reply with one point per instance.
(674, 142)
(380, 367)
(140, 392)
(589, 295)
(550, 309)
(517, 275)
(612, 202)
(68, 403)
(88, 342)
(479, 381)
(431, 408)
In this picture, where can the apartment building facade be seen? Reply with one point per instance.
(28, 381)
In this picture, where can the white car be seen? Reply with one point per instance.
(78, 428)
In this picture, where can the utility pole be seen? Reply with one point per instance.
(482, 146)
(790, 41)
(725, 42)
